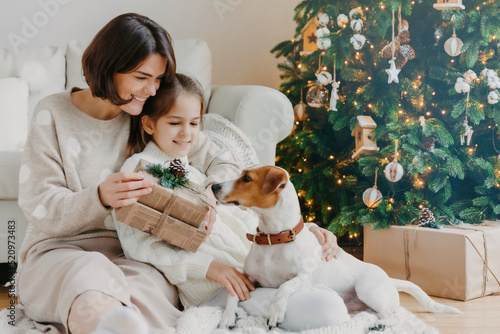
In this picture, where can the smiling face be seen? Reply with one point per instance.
(141, 83)
(176, 132)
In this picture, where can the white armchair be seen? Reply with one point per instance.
(263, 114)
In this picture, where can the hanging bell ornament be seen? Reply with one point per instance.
(453, 46)
(394, 171)
(300, 109)
(372, 196)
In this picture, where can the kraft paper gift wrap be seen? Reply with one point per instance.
(174, 215)
(457, 262)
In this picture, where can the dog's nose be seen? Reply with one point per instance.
(215, 188)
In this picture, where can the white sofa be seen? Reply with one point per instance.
(263, 114)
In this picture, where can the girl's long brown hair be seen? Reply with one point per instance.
(160, 105)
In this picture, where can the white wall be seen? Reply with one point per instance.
(240, 33)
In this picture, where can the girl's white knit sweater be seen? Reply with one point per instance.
(226, 243)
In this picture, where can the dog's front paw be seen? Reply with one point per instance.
(228, 319)
(276, 313)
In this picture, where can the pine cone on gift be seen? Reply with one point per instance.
(177, 168)
(426, 218)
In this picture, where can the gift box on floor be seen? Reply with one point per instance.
(174, 215)
(457, 262)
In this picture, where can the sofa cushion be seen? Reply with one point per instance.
(14, 113)
(195, 59)
(13, 132)
(74, 73)
(43, 67)
(192, 55)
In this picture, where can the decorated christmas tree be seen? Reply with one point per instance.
(397, 113)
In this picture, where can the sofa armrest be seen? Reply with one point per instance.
(264, 114)
(10, 162)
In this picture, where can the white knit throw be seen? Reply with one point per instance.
(204, 320)
(227, 135)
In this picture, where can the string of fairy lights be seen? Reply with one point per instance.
(428, 109)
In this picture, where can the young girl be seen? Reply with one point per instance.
(170, 127)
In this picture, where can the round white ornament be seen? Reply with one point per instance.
(317, 96)
(494, 82)
(493, 97)
(322, 32)
(300, 111)
(323, 19)
(372, 197)
(470, 76)
(484, 72)
(342, 20)
(453, 46)
(356, 25)
(353, 13)
(461, 86)
(358, 41)
(394, 171)
(323, 43)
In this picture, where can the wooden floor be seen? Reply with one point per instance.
(480, 316)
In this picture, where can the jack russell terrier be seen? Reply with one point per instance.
(295, 253)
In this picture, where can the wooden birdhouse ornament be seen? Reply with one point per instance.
(448, 4)
(309, 38)
(363, 136)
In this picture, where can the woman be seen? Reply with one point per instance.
(74, 271)
(74, 276)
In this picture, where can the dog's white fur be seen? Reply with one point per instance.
(296, 265)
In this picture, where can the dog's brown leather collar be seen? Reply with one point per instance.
(278, 238)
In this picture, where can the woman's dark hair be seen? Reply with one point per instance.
(160, 105)
(120, 47)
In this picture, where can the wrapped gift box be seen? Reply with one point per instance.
(457, 262)
(174, 215)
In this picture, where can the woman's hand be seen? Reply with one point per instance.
(234, 281)
(211, 216)
(123, 189)
(328, 240)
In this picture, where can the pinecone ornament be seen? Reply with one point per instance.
(428, 143)
(427, 218)
(177, 168)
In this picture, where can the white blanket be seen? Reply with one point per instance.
(204, 320)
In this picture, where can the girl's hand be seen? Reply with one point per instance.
(211, 216)
(123, 189)
(234, 281)
(328, 240)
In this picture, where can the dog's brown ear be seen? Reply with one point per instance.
(275, 179)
